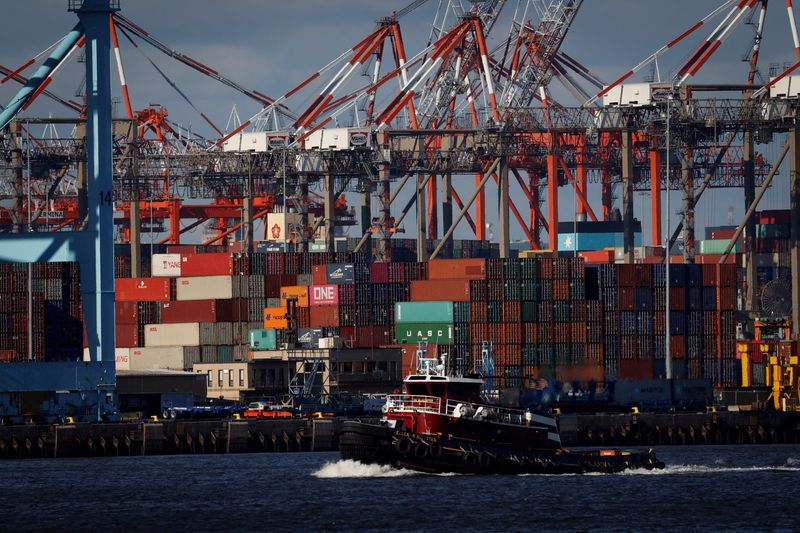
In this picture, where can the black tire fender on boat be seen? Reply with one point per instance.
(435, 450)
(469, 459)
(485, 460)
(402, 446)
(421, 450)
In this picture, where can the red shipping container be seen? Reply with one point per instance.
(372, 336)
(347, 334)
(627, 298)
(206, 264)
(723, 234)
(143, 289)
(677, 346)
(182, 249)
(626, 275)
(456, 290)
(319, 274)
(126, 335)
(126, 312)
(449, 269)
(727, 274)
(644, 277)
(635, 369)
(189, 311)
(677, 298)
(710, 275)
(726, 298)
(774, 216)
(561, 289)
(379, 272)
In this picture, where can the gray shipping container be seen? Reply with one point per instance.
(191, 355)
(208, 354)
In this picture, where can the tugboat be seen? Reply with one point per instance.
(442, 424)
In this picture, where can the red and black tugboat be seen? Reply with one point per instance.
(442, 424)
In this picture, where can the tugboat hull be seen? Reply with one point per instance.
(375, 444)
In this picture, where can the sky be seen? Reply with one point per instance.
(271, 46)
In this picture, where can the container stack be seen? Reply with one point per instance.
(545, 317)
(45, 299)
(772, 249)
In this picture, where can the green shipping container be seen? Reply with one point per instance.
(423, 312)
(433, 333)
(718, 246)
(263, 339)
(772, 231)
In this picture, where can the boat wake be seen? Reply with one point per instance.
(791, 465)
(354, 469)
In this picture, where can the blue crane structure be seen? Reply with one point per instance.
(84, 384)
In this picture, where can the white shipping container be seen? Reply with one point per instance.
(629, 94)
(278, 224)
(244, 142)
(166, 265)
(120, 357)
(158, 358)
(788, 87)
(206, 288)
(181, 334)
(328, 139)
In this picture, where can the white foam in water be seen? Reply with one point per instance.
(348, 468)
(791, 466)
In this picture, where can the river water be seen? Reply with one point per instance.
(726, 488)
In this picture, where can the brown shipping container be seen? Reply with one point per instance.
(325, 316)
(142, 289)
(206, 265)
(456, 290)
(474, 269)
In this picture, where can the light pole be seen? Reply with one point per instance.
(667, 355)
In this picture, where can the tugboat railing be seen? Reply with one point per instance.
(505, 415)
(413, 402)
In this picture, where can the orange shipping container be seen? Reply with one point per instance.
(473, 269)
(300, 292)
(275, 318)
(455, 290)
(599, 256)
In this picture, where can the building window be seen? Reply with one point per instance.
(230, 377)
(370, 366)
(393, 366)
(219, 377)
(241, 377)
(210, 378)
(382, 366)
